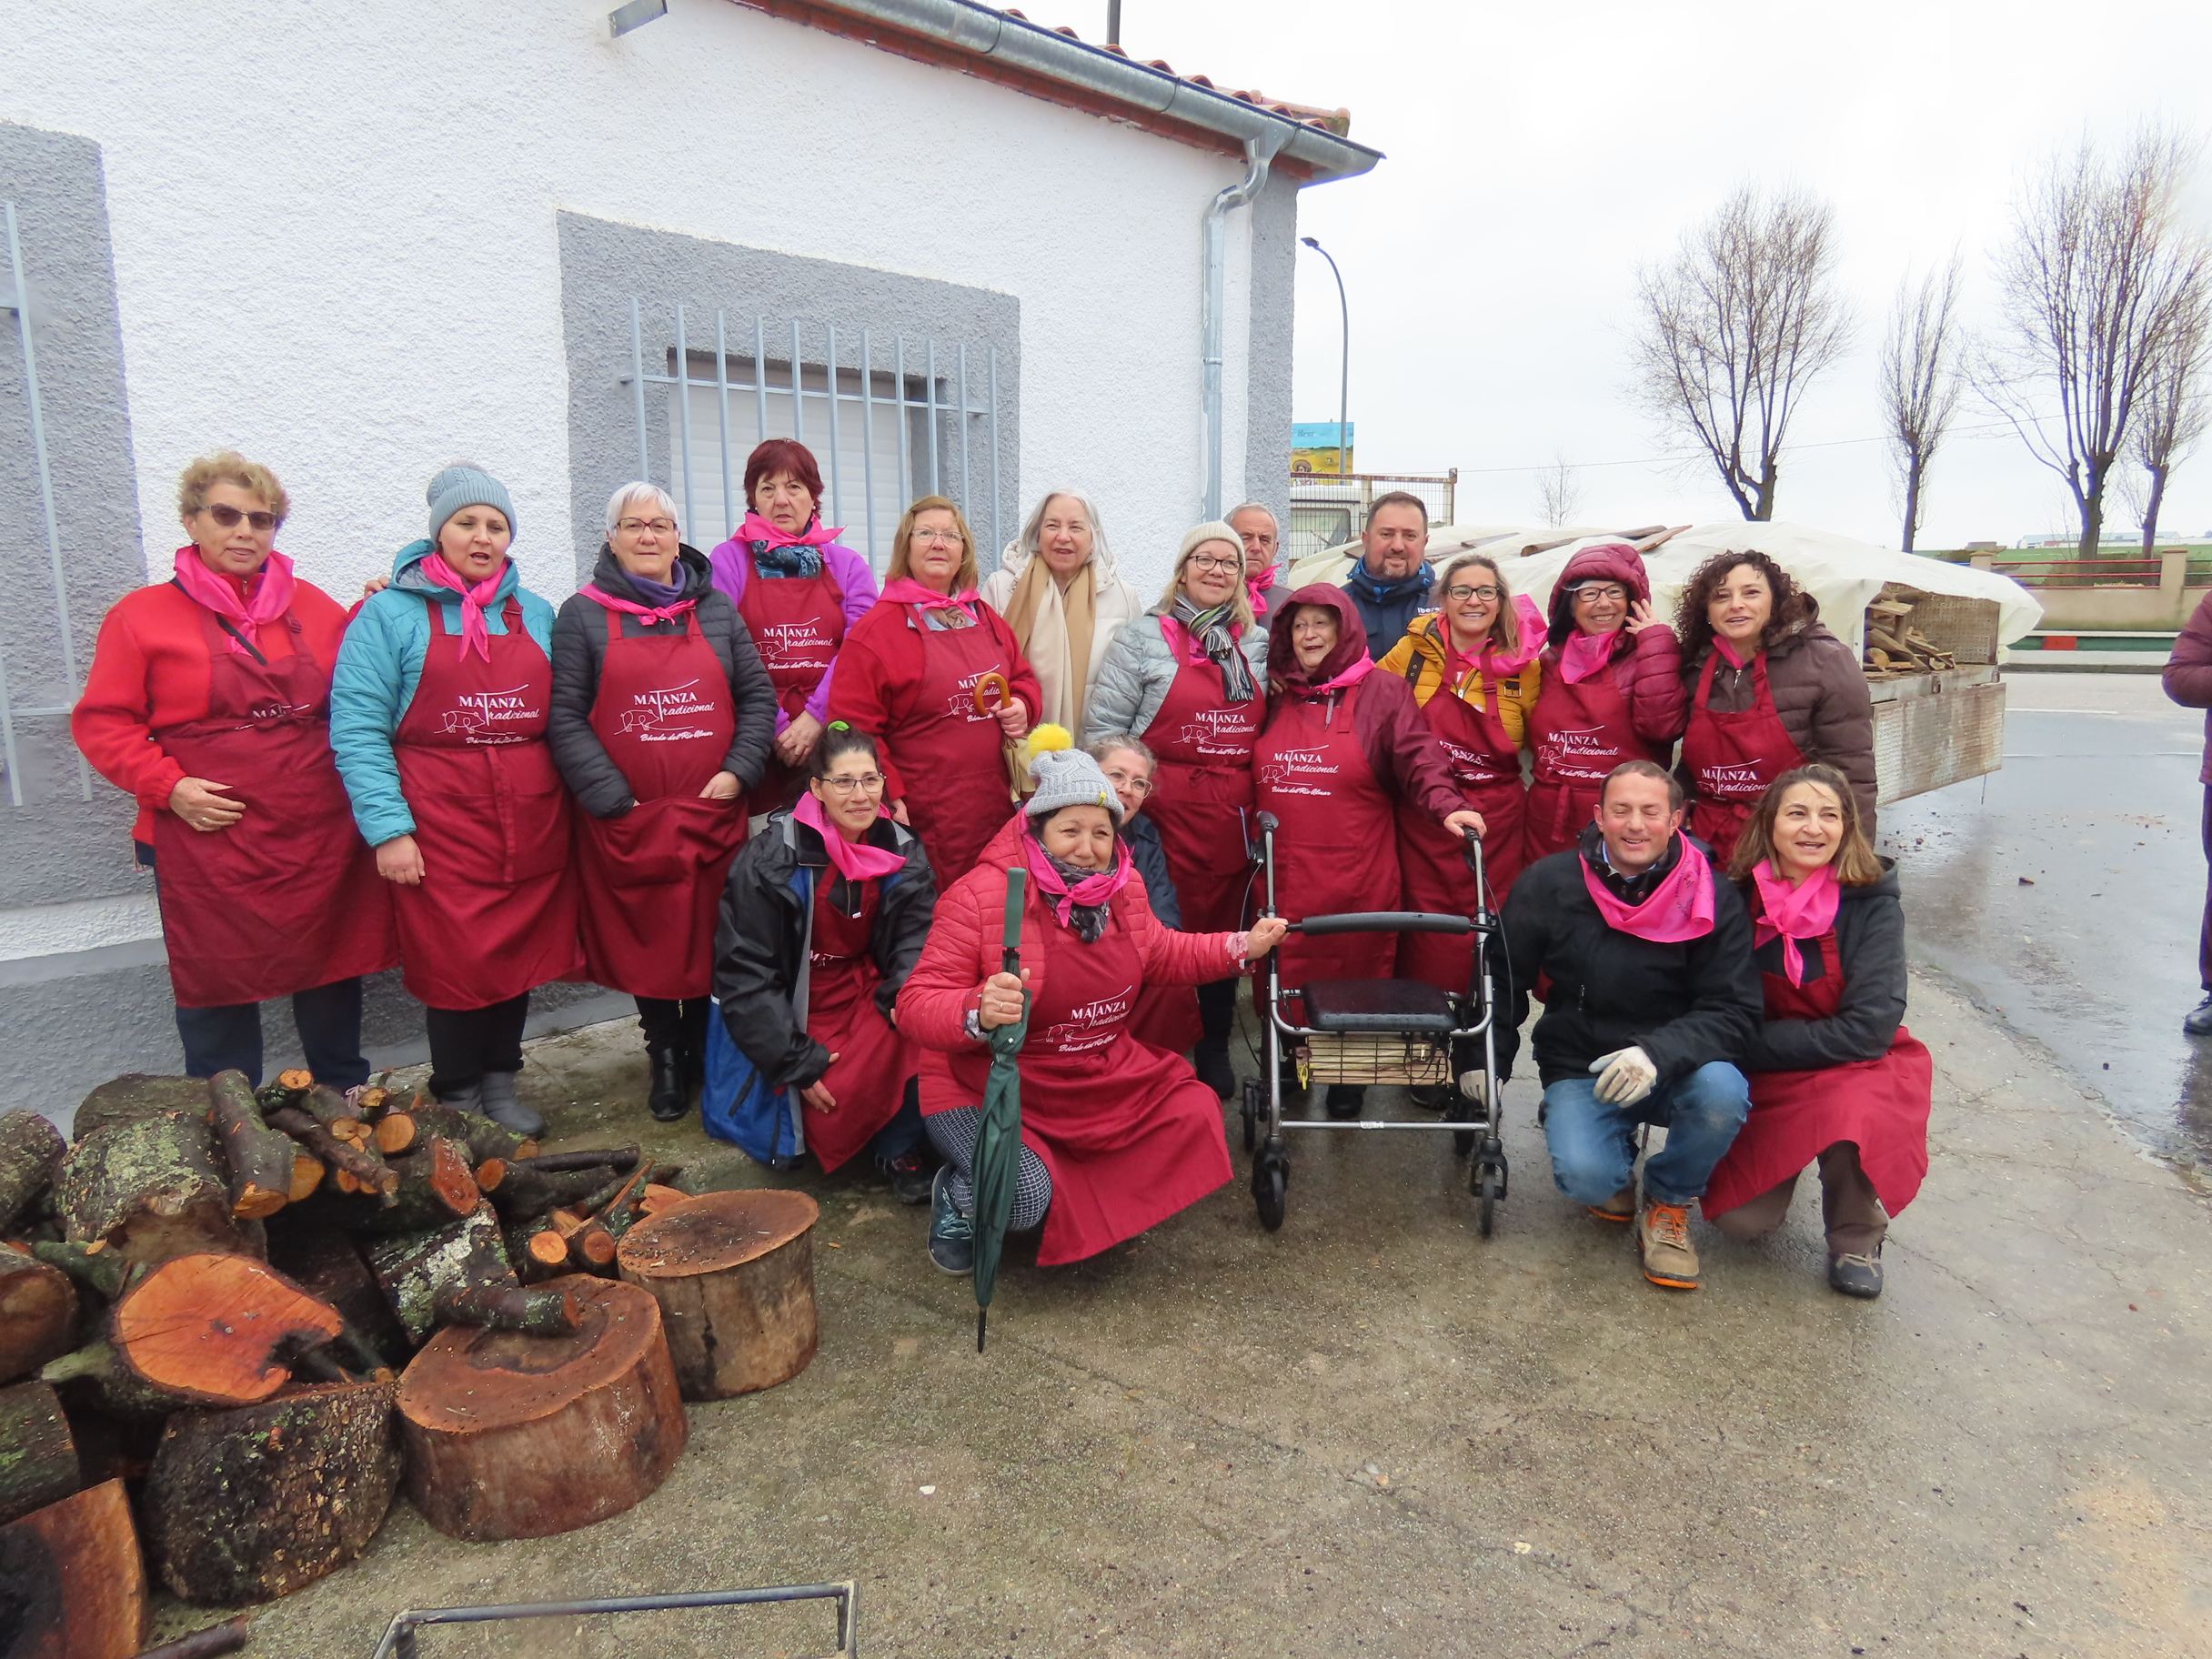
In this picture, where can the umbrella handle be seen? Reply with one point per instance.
(1017, 891)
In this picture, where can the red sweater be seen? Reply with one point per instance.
(151, 668)
(877, 688)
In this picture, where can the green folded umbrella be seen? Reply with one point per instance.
(997, 1162)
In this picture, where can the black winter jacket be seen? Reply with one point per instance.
(761, 938)
(1684, 1005)
(1147, 852)
(1870, 945)
(579, 650)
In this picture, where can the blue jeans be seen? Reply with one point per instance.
(1593, 1145)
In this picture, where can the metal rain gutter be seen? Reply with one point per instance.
(1259, 154)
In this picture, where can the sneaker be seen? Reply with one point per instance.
(951, 1234)
(1620, 1209)
(1345, 1100)
(913, 1175)
(1859, 1276)
(1662, 1240)
(503, 1108)
(2198, 1022)
(1210, 1060)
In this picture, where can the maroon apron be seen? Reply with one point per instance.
(952, 759)
(1201, 795)
(1732, 757)
(1337, 849)
(288, 897)
(1485, 766)
(1129, 1133)
(494, 915)
(1881, 1106)
(796, 624)
(650, 881)
(868, 1080)
(1578, 733)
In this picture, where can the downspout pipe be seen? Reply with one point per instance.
(1260, 152)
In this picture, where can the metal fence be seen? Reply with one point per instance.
(52, 680)
(1328, 509)
(890, 420)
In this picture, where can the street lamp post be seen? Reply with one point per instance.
(1343, 396)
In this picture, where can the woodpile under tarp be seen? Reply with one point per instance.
(233, 1322)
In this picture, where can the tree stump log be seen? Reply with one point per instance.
(415, 1269)
(137, 1095)
(149, 1188)
(31, 1150)
(250, 1505)
(263, 1162)
(522, 1192)
(218, 1329)
(39, 1461)
(515, 1436)
(72, 1583)
(38, 1312)
(482, 1137)
(434, 1187)
(734, 1275)
(328, 1264)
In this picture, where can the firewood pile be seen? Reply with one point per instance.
(1894, 647)
(235, 1323)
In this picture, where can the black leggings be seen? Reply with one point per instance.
(468, 1042)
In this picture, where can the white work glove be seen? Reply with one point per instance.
(1624, 1076)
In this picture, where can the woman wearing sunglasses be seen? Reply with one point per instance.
(1189, 678)
(209, 700)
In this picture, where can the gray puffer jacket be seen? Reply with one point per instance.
(1133, 680)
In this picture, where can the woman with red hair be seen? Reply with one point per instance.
(798, 589)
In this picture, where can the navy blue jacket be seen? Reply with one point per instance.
(1388, 606)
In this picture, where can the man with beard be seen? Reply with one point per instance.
(1392, 581)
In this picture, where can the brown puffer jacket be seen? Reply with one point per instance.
(1820, 692)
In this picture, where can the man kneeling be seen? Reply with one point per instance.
(1641, 960)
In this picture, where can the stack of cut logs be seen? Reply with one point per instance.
(1895, 647)
(207, 1298)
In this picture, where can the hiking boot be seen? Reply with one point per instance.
(951, 1234)
(503, 1108)
(1662, 1240)
(1620, 1209)
(912, 1174)
(666, 1096)
(2198, 1022)
(1210, 1060)
(1345, 1100)
(1859, 1276)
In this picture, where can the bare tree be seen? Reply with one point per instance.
(2097, 279)
(2175, 408)
(1735, 327)
(1561, 484)
(1921, 381)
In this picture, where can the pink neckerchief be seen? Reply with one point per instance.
(1061, 897)
(1585, 654)
(854, 861)
(1680, 908)
(651, 613)
(1359, 669)
(474, 634)
(1492, 660)
(815, 534)
(269, 591)
(1799, 914)
(1728, 651)
(1257, 586)
(905, 590)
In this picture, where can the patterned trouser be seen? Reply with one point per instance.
(954, 1132)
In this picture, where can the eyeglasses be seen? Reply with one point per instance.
(1589, 592)
(1139, 787)
(228, 517)
(938, 539)
(637, 526)
(867, 784)
(1195, 563)
(1460, 592)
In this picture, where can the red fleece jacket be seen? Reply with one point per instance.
(878, 685)
(151, 670)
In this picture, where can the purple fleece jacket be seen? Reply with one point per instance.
(732, 564)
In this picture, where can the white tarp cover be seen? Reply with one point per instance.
(1843, 574)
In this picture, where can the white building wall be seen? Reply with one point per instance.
(335, 239)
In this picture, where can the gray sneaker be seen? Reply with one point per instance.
(1859, 1276)
(951, 1234)
(503, 1108)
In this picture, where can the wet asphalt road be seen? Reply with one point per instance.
(2098, 807)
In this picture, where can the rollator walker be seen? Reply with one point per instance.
(1381, 1033)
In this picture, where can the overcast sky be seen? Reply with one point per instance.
(1536, 154)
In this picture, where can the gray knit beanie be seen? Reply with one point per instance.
(465, 486)
(1070, 778)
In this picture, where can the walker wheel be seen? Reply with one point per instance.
(1270, 1175)
(1488, 1189)
(1249, 1109)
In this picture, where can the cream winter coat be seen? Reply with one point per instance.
(1113, 603)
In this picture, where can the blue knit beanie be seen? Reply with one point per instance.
(465, 486)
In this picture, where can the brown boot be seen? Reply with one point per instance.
(1620, 1207)
(1662, 1240)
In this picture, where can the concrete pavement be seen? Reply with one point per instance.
(1375, 1433)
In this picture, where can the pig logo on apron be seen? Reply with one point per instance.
(961, 702)
(792, 645)
(1226, 733)
(1090, 1025)
(1300, 771)
(1578, 753)
(480, 717)
(672, 715)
